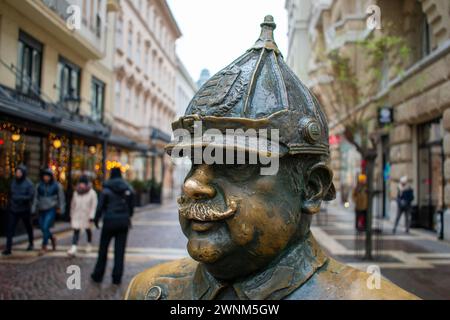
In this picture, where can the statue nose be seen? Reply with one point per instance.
(197, 185)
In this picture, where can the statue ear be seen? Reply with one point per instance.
(318, 186)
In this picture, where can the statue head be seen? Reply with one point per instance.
(255, 199)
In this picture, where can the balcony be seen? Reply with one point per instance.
(58, 6)
(52, 15)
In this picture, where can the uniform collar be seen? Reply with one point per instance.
(275, 282)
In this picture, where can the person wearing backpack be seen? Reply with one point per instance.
(405, 197)
(115, 206)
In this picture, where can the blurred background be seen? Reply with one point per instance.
(90, 85)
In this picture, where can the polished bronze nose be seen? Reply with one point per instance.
(197, 185)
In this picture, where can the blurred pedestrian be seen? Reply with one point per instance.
(361, 199)
(405, 197)
(21, 198)
(116, 206)
(82, 213)
(49, 200)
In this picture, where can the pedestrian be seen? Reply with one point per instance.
(49, 200)
(405, 197)
(115, 205)
(21, 198)
(361, 199)
(82, 213)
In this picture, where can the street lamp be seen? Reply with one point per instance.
(72, 104)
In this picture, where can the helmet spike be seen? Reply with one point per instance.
(266, 38)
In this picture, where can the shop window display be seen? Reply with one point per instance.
(87, 160)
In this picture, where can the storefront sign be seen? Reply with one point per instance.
(385, 116)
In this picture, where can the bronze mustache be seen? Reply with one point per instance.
(205, 211)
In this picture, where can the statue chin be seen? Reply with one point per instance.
(202, 250)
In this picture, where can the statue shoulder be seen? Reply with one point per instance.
(355, 284)
(160, 281)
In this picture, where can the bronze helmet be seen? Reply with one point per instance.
(259, 91)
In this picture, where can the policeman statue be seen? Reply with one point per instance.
(249, 233)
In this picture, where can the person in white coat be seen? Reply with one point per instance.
(82, 213)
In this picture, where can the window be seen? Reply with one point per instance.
(28, 80)
(384, 79)
(119, 33)
(425, 37)
(68, 80)
(137, 101)
(128, 98)
(138, 50)
(146, 58)
(118, 95)
(97, 99)
(130, 42)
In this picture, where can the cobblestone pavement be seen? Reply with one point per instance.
(155, 237)
(417, 262)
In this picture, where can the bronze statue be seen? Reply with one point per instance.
(249, 233)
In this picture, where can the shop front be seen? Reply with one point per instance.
(430, 174)
(41, 134)
(66, 154)
(132, 159)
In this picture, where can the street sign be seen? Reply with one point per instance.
(385, 115)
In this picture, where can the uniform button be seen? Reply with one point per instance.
(154, 293)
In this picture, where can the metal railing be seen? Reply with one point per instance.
(38, 99)
(59, 7)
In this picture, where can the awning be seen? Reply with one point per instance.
(126, 143)
(39, 112)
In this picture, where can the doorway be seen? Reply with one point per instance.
(430, 173)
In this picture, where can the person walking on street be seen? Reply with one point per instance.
(82, 213)
(361, 199)
(49, 200)
(21, 197)
(116, 206)
(405, 197)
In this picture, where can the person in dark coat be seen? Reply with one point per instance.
(49, 199)
(405, 197)
(21, 197)
(115, 205)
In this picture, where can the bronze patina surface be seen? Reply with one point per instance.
(249, 234)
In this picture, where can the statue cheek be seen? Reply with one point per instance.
(242, 224)
(274, 233)
(265, 185)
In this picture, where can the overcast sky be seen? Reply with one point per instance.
(215, 32)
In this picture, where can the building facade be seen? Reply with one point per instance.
(55, 89)
(395, 79)
(85, 86)
(298, 55)
(185, 90)
(145, 68)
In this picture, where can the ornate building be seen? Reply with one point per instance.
(395, 80)
(186, 88)
(55, 89)
(145, 68)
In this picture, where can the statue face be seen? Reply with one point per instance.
(237, 220)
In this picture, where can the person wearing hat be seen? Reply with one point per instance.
(21, 197)
(49, 199)
(361, 200)
(405, 197)
(116, 207)
(248, 229)
(82, 213)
